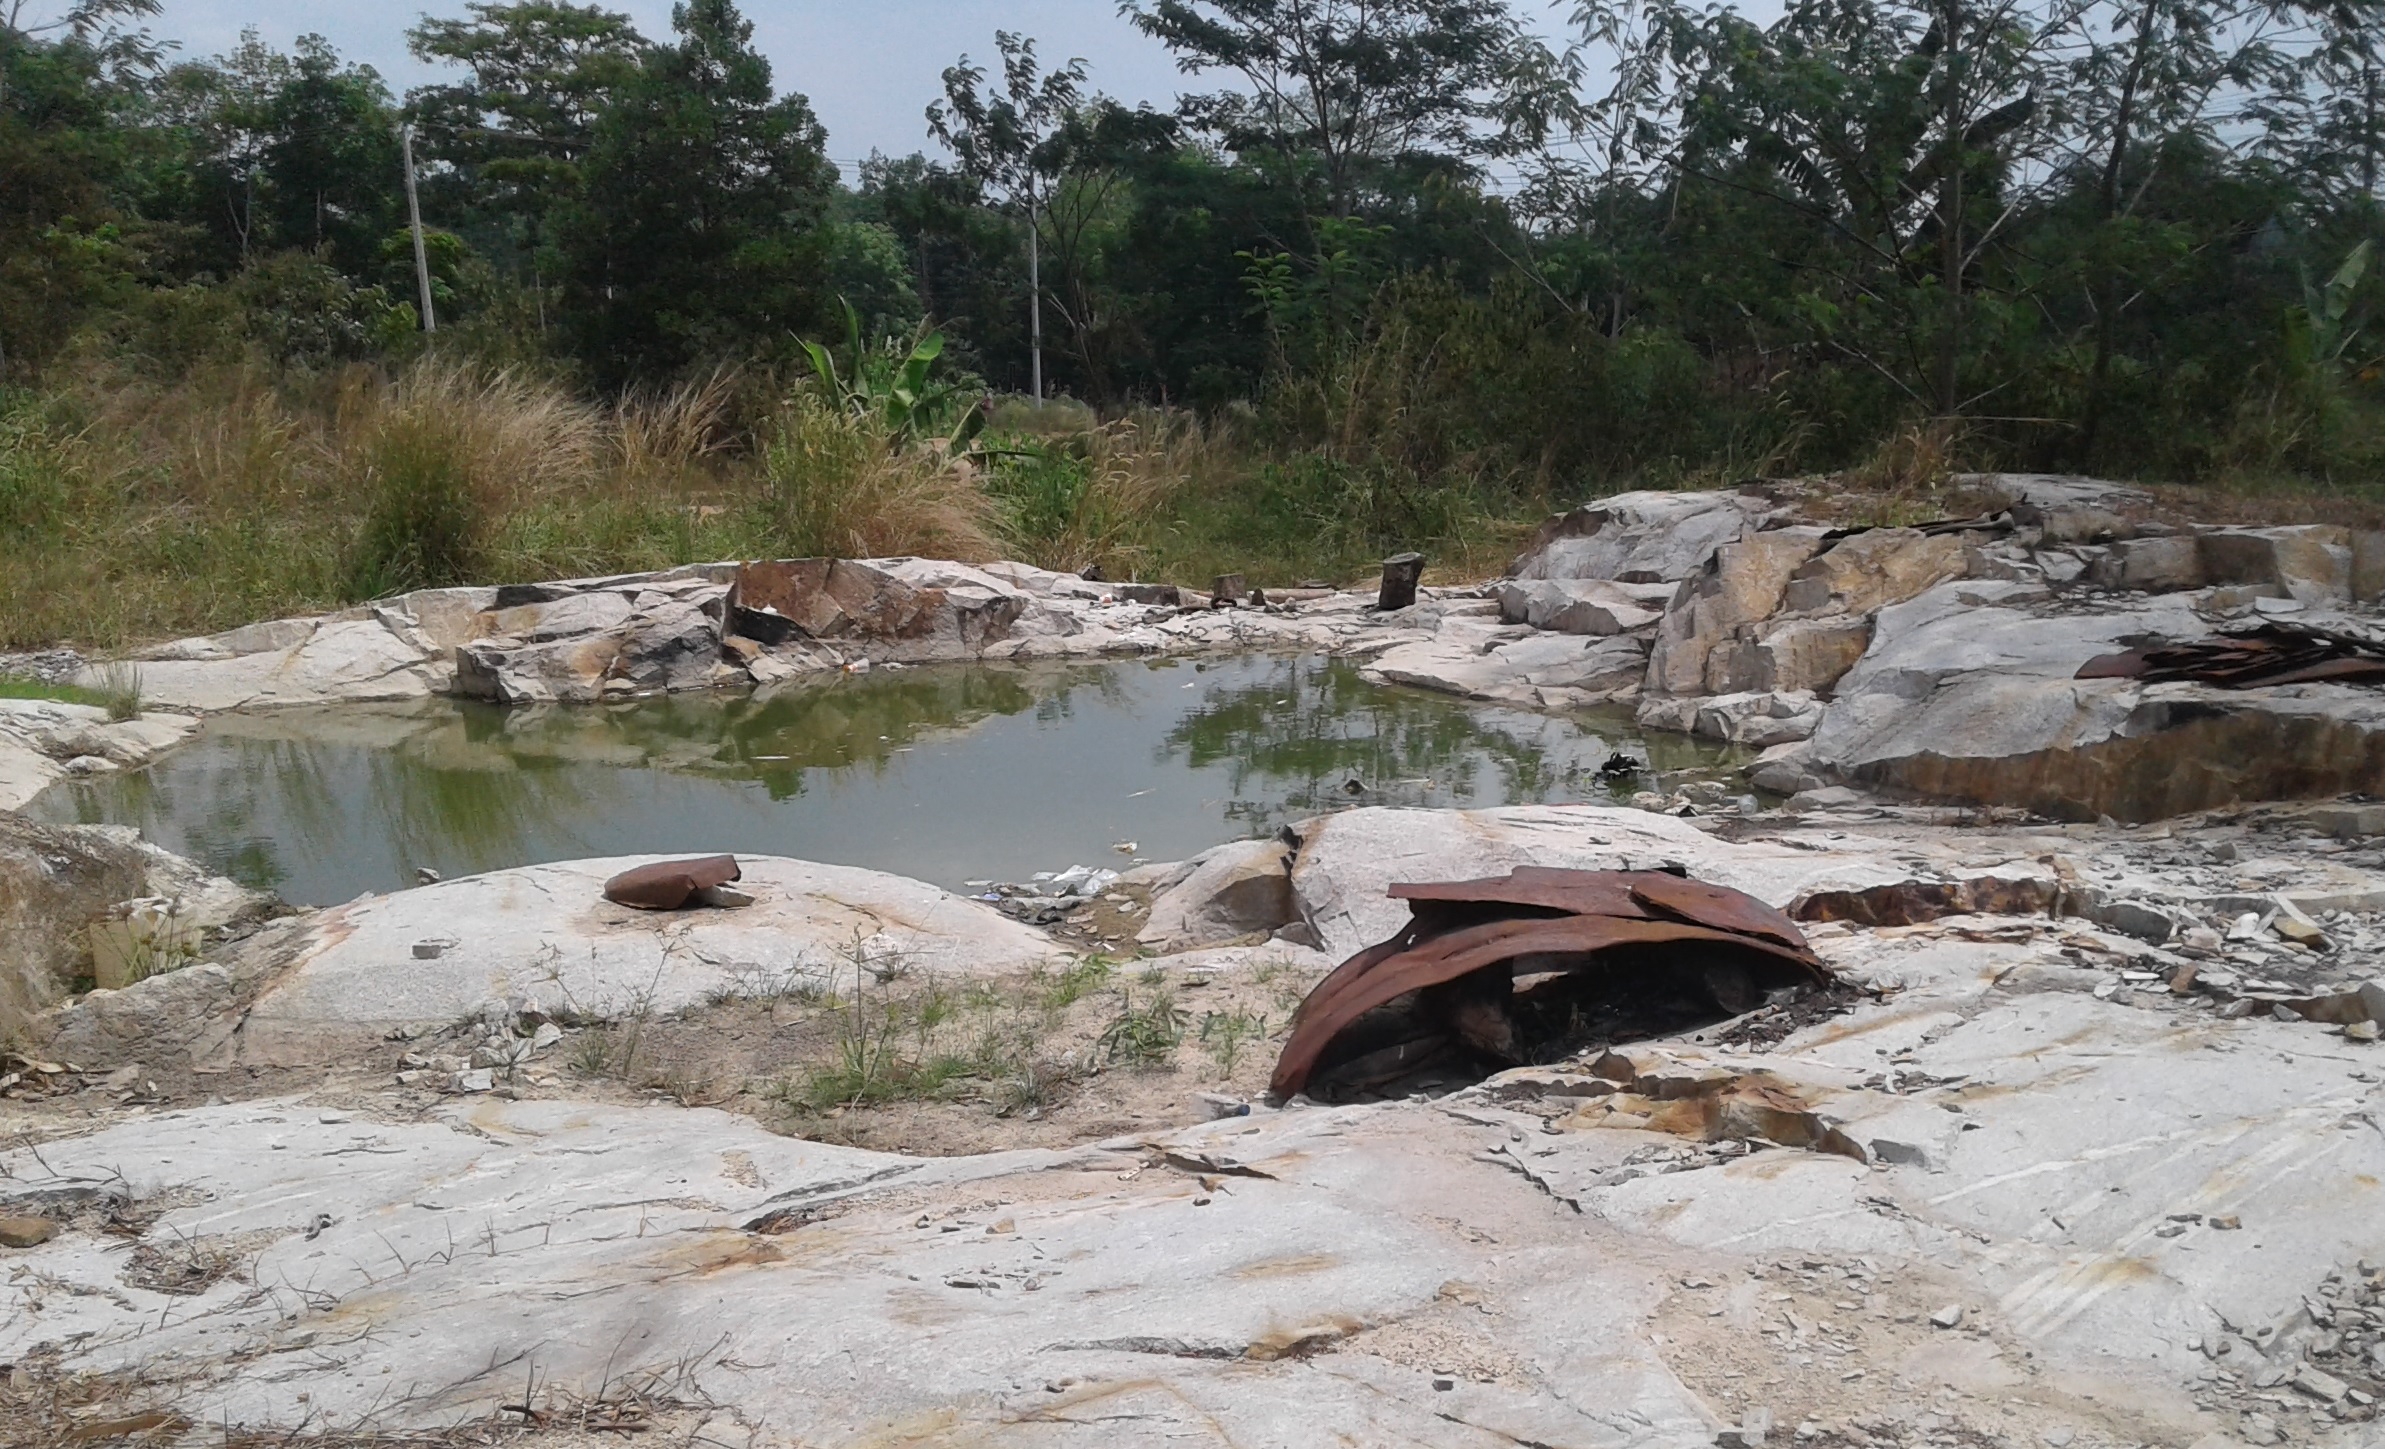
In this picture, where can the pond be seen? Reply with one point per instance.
(952, 774)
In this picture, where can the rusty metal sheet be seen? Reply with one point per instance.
(1703, 904)
(2269, 655)
(1578, 892)
(667, 885)
(1384, 977)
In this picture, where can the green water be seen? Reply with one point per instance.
(947, 774)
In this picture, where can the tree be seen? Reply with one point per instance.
(695, 235)
(63, 86)
(1347, 89)
(332, 170)
(541, 73)
(1014, 143)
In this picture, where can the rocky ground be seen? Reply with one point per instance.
(2083, 1149)
(2114, 1180)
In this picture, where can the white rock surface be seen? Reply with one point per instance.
(546, 933)
(39, 737)
(1461, 1273)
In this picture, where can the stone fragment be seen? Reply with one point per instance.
(2319, 1384)
(21, 1232)
(1951, 1316)
(2131, 918)
(1232, 891)
(478, 1079)
(2294, 926)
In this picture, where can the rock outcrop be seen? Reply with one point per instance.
(1641, 1245)
(1942, 660)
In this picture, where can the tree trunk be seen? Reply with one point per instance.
(1950, 220)
(2107, 307)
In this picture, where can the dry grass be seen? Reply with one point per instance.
(132, 510)
(837, 485)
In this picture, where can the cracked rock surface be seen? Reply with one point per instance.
(2059, 1189)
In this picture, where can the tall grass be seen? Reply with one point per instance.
(440, 456)
(834, 483)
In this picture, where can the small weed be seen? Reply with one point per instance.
(1143, 1036)
(592, 1051)
(1031, 1087)
(120, 690)
(1080, 980)
(1225, 1034)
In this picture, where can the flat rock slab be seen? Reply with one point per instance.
(546, 933)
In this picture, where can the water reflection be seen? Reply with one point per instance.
(947, 774)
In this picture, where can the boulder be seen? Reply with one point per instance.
(1348, 862)
(2368, 566)
(1741, 585)
(1761, 720)
(1583, 606)
(2153, 565)
(591, 647)
(1867, 572)
(2313, 563)
(303, 661)
(1641, 538)
(1232, 891)
(910, 610)
(59, 882)
(41, 738)
(1967, 694)
(547, 933)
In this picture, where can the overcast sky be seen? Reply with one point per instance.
(870, 67)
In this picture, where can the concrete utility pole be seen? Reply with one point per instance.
(1035, 285)
(422, 258)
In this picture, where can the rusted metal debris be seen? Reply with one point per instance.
(2270, 654)
(669, 885)
(1468, 943)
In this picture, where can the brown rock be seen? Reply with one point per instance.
(26, 1232)
(1868, 572)
(1741, 585)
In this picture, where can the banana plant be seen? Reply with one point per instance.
(2317, 334)
(892, 383)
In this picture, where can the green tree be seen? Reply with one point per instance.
(514, 131)
(1344, 91)
(696, 232)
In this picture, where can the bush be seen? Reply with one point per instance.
(440, 456)
(835, 484)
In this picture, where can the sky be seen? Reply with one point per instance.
(870, 67)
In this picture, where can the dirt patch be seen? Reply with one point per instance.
(1845, 1352)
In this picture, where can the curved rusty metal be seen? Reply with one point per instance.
(1594, 911)
(667, 885)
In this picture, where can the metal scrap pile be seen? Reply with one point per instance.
(2270, 654)
(1503, 971)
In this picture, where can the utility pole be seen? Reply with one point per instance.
(422, 258)
(1035, 285)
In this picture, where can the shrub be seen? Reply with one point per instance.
(834, 483)
(439, 456)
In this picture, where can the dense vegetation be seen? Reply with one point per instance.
(1391, 273)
